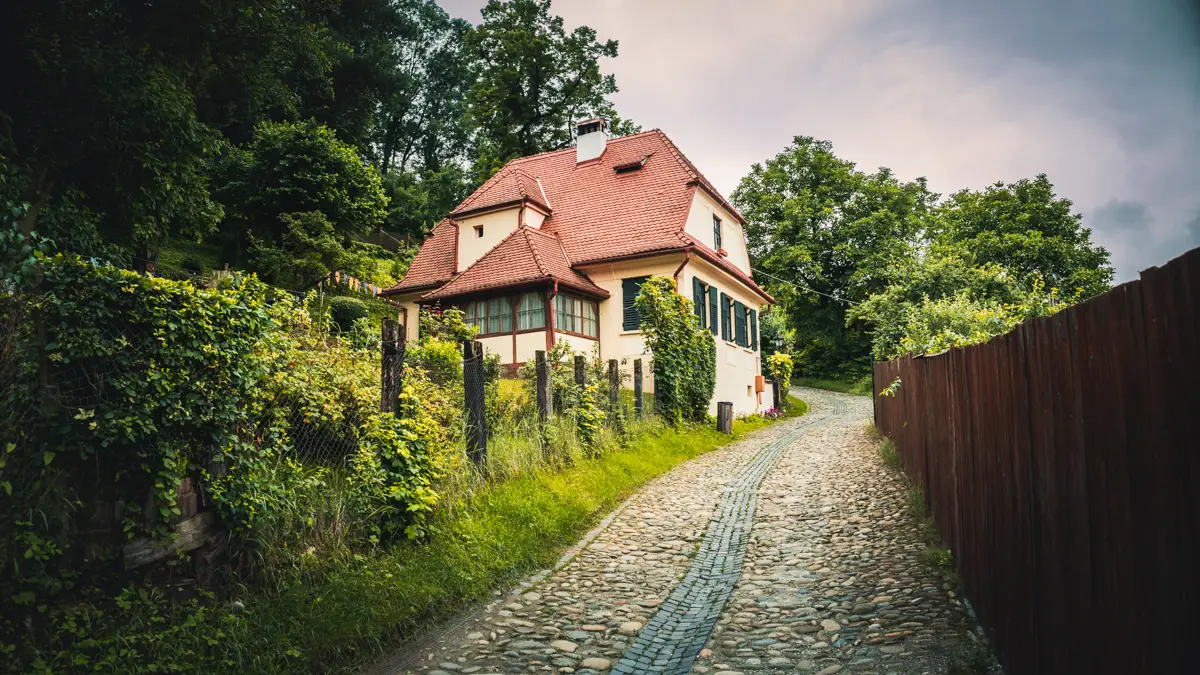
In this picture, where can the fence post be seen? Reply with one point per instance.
(473, 401)
(580, 370)
(776, 398)
(638, 409)
(725, 417)
(544, 400)
(392, 365)
(614, 383)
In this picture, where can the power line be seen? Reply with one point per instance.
(805, 288)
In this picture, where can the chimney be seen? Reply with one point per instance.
(590, 139)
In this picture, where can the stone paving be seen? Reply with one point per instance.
(826, 581)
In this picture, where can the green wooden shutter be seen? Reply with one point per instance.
(630, 288)
(739, 323)
(725, 327)
(754, 330)
(713, 312)
(698, 299)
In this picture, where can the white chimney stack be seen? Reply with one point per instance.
(590, 139)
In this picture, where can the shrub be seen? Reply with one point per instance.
(344, 311)
(781, 368)
(683, 353)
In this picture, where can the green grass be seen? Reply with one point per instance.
(340, 613)
(794, 407)
(860, 387)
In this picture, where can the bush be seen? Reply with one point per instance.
(684, 356)
(344, 311)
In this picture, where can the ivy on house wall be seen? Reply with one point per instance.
(683, 354)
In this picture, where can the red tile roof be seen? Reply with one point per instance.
(435, 262)
(510, 185)
(527, 255)
(599, 214)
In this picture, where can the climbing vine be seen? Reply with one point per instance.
(684, 356)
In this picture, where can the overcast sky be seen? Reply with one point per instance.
(1101, 95)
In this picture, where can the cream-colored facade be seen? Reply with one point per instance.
(737, 366)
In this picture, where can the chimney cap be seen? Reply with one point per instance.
(590, 126)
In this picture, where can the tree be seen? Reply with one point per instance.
(944, 297)
(109, 111)
(825, 235)
(532, 80)
(295, 189)
(1029, 231)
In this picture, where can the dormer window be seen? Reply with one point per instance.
(478, 231)
(716, 233)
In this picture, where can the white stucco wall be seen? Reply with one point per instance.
(700, 225)
(500, 345)
(496, 226)
(528, 344)
(615, 341)
(736, 366)
(579, 345)
(412, 321)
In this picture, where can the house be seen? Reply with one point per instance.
(555, 246)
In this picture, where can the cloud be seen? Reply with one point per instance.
(1101, 95)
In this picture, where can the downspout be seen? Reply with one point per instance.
(687, 257)
(550, 317)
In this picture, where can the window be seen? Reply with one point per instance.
(630, 319)
(576, 315)
(478, 231)
(531, 312)
(716, 233)
(700, 300)
(490, 316)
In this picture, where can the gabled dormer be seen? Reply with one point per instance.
(508, 200)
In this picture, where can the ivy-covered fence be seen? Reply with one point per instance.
(146, 420)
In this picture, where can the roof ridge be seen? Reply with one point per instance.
(615, 139)
(697, 176)
(537, 259)
(566, 257)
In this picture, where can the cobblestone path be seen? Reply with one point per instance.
(826, 580)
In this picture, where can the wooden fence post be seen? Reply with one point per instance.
(580, 370)
(638, 408)
(473, 401)
(392, 365)
(544, 401)
(725, 417)
(614, 383)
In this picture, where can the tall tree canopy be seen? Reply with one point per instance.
(110, 108)
(532, 80)
(826, 234)
(1029, 231)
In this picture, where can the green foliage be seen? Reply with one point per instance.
(947, 300)
(684, 354)
(344, 311)
(1025, 228)
(119, 107)
(532, 80)
(859, 387)
(829, 232)
(781, 368)
(863, 262)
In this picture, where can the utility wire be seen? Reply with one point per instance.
(805, 288)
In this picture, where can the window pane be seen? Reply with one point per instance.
(537, 316)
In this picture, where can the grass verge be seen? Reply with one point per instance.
(341, 613)
(857, 387)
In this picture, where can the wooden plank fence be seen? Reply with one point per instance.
(1061, 463)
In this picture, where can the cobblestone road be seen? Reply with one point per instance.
(827, 579)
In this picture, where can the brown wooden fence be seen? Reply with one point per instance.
(1061, 463)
